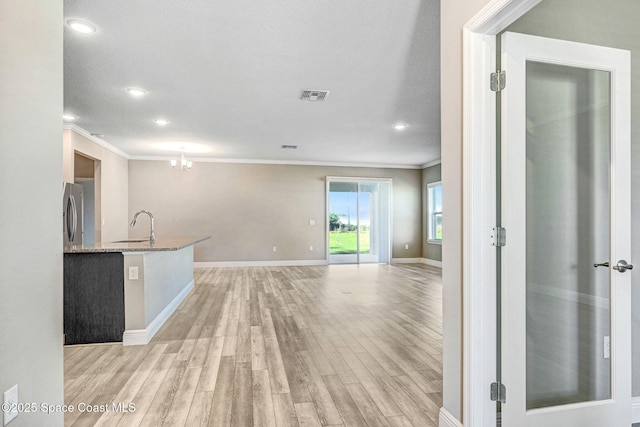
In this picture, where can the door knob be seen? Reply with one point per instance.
(623, 266)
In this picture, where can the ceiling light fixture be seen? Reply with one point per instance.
(400, 126)
(136, 92)
(185, 164)
(182, 147)
(68, 117)
(83, 27)
(161, 122)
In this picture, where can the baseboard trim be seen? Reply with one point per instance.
(448, 420)
(302, 262)
(427, 261)
(135, 337)
(406, 260)
(432, 262)
(282, 263)
(143, 336)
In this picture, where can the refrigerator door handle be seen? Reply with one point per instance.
(69, 219)
(75, 218)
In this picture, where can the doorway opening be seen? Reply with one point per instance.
(359, 218)
(86, 172)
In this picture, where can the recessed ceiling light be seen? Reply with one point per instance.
(400, 126)
(83, 27)
(68, 117)
(136, 92)
(161, 122)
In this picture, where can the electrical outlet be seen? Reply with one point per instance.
(275, 249)
(406, 246)
(10, 407)
(312, 222)
(133, 273)
(311, 247)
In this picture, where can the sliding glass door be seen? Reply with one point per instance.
(359, 220)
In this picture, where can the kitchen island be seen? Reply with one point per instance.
(126, 290)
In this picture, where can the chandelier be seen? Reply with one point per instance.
(184, 163)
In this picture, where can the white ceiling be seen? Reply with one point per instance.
(228, 74)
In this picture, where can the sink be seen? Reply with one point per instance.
(131, 241)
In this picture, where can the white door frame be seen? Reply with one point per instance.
(479, 209)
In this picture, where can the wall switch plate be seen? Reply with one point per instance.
(311, 247)
(133, 273)
(275, 249)
(312, 222)
(607, 347)
(406, 246)
(10, 407)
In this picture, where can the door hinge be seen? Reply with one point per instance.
(498, 236)
(498, 393)
(498, 80)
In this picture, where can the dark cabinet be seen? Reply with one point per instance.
(93, 297)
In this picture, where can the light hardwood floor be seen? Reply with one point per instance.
(341, 345)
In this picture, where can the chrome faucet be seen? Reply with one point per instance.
(152, 235)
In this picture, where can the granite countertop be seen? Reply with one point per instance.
(135, 245)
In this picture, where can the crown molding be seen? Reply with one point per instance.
(280, 162)
(82, 132)
(432, 163)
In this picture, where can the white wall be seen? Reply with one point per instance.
(31, 100)
(162, 276)
(111, 184)
(249, 208)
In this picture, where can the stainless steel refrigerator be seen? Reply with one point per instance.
(72, 214)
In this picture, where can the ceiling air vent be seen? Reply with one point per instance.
(314, 95)
(289, 147)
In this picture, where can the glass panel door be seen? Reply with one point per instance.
(373, 201)
(359, 221)
(344, 245)
(565, 185)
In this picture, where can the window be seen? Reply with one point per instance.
(434, 218)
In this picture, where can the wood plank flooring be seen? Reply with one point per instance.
(342, 345)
